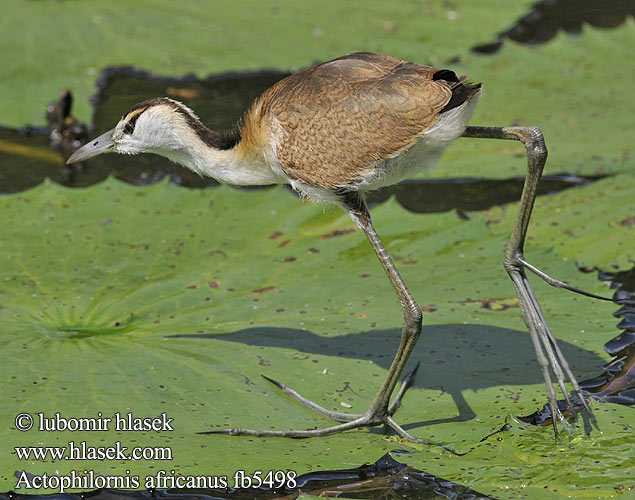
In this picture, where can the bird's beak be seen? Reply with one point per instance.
(102, 144)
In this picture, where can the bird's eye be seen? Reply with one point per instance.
(128, 128)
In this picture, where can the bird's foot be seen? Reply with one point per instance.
(550, 357)
(349, 420)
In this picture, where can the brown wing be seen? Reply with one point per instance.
(341, 117)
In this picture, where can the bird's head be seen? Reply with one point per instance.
(157, 125)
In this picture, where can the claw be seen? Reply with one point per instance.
(274, 382)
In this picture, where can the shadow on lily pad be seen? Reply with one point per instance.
(453, 358)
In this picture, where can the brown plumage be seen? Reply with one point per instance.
(336, 120)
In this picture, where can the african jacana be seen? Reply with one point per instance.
(335, 131)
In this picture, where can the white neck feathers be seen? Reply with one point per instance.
(235, 165)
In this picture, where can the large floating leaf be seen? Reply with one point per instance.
(560, 88)
(51, 46)
(160, 299)
(119, 299)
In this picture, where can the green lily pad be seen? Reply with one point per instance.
(49, 47)
(560, 88)
(159, 300)
(117, 299)
(523, 461)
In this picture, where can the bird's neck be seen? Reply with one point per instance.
(223, 156)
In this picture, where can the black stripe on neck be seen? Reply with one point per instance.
(222, 140)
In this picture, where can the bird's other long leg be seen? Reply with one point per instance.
(547, 350)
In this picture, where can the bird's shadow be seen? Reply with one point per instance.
(453, 358)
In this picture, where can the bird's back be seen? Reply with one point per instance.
(332, 123)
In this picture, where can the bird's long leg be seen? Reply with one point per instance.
(380, 410)
(379, 407)
(547, 351)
